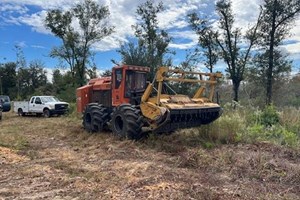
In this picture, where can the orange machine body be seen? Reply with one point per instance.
(115, 90)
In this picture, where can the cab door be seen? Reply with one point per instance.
(35, 105)
(117, 88)
(31, 105)
(38, 104)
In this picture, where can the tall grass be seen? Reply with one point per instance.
(238, 124)
(73, 114)
(249, 125)
(290, 117)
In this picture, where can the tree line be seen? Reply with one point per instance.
(252, 56)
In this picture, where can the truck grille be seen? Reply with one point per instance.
(61, 106)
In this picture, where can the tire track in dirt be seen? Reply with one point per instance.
(61, 161)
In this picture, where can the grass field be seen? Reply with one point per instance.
(54, 158)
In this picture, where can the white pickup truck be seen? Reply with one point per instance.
(41, 105)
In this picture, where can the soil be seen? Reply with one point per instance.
(56, 159)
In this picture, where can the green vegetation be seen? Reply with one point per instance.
(250, 125)
(236, 125)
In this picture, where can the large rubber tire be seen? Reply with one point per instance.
(20, 112)
(95, 118)
(127, 122)
(46, 113)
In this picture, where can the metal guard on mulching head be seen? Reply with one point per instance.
(166, 112)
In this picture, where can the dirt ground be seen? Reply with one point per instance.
(55, 159)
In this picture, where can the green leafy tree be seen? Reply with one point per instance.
(24, 86)
(276, 22)
(230, 42)
(38, 74)
(30, 78)
(188, 64)
(62, 86)
(21, 61)
(257, 77)
(258, 73)
(77, 42)
(8, 79)
(151, 48)
(21, 64)
(133, 54)
(207, 40)
(46, 89)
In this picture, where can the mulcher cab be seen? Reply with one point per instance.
(126, 103)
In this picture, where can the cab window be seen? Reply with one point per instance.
(118, 78)
(38, 100)
(135, 81)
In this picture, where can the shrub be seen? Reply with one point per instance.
(269, 116)
(253, 133)
(276, 134)
(289, 138)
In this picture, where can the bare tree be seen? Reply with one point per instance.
(277, 19)
(230, 39)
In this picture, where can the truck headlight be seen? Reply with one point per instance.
(52, 107)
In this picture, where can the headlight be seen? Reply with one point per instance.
(52, 106)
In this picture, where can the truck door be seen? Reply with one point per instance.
(38, 105)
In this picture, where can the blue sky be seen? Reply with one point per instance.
(21, 23)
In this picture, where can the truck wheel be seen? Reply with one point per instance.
(20, 112)
(95, 118)
(127, 122)
(46, 113)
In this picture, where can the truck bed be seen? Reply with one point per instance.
(24, 105)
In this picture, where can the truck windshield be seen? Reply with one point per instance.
(49, 99)
(135, 81)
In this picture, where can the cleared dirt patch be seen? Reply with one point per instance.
(55, 159)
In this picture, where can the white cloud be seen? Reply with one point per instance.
(184, 39)
(36, 21)
(48, 4)
(245, 11)
(21, 44)
(175, 16)
(38, 47)
(9, 8)
(295, 32)
(123, 16)
(292, 48)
